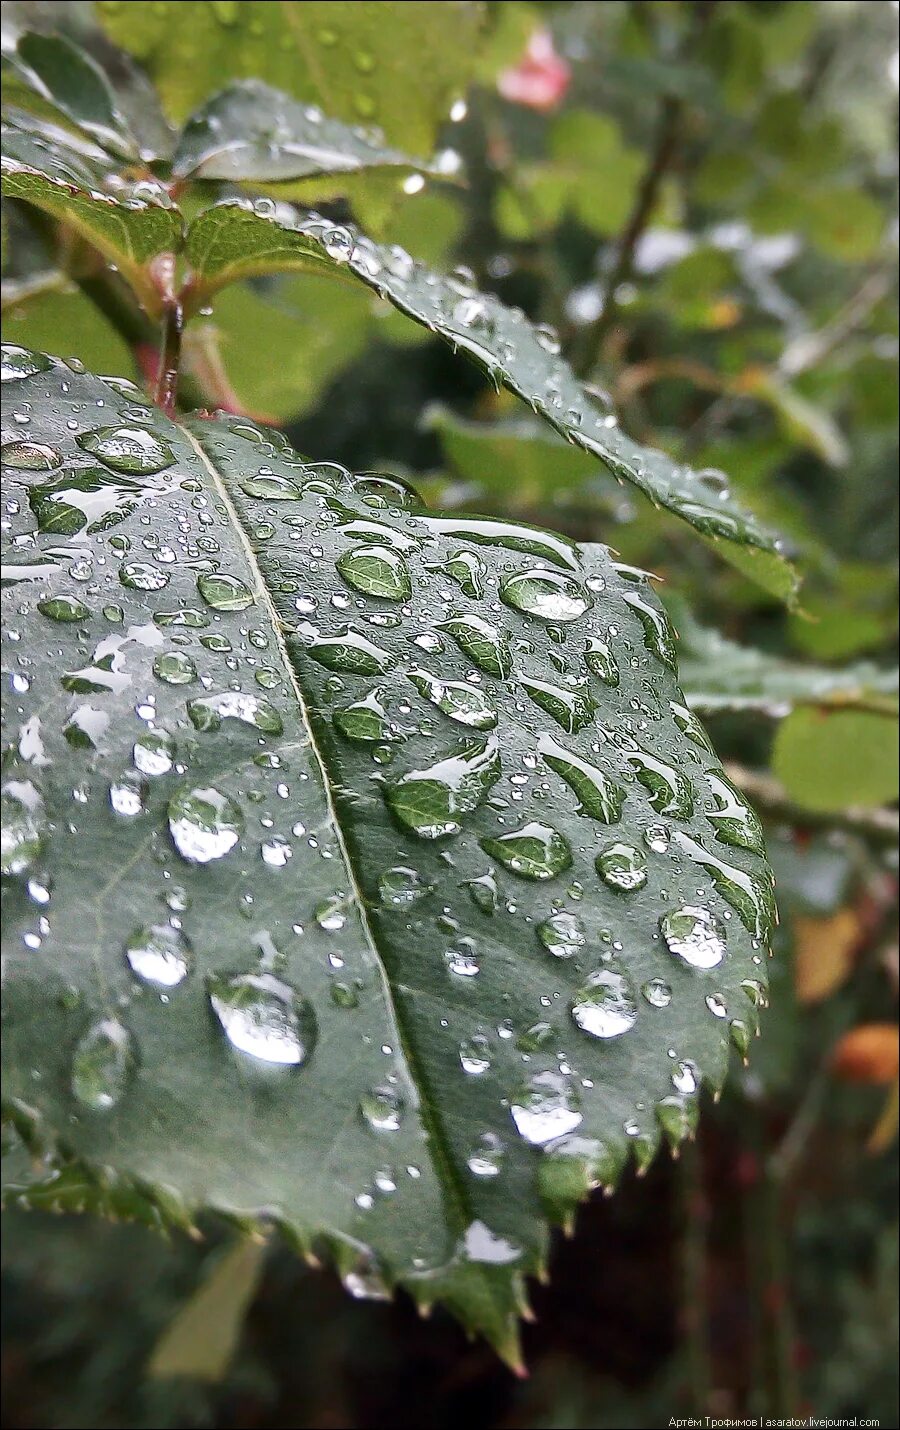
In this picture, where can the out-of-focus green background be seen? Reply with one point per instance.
(751, 326)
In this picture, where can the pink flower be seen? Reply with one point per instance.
(541, 77)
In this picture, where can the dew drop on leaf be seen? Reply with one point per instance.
(263, 1016)
(100, 1067)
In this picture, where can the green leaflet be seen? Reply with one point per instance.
(247, 983)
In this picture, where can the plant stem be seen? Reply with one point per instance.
(169, 357)
(668, 134)
(695, 1302)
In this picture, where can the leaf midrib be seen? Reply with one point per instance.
(450, 1180)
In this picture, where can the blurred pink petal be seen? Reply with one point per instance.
(541, 77)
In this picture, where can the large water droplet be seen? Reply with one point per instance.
(174, 667)
(208, 711)
(143, 576)
(376, 571)
(753, 900)
(571, 707)
(63, 608)
(460, 701)
(547, 595)
(467, 569)
(263, 1016)
(18, 363)
(733, 820)
(349, 652)
(127, 449)
(562, 934)
(599, 658)
(485, 646)
(533, 852)
(657, 993)
(546, 1108)
(694, 935)
(22, 833)
(101, 1065)
(30, 456)
(366, 721)
(160, 954)
(153, 752)
(659, 636)
(670, 790)
(432, 801)
(475, 1055)
(400, 888)
(622, 867)
(382, 1109)
(224, 592)
(598, 795)
(689, 725)
(605, 1006)
(204, 824)
(272, 486)
(486, 1159)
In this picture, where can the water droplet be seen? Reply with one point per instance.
(598, 796)
(484, 893)
(128, 795)
(207, 712)
(204, 824)
(143, 576)
(733, 820)
(570, 707)
(224, 592)
(63, 608)
(431, 801)
(159, 954)
(740, 1036)
(382, 1109)
(18, 363)
(30, 456)
(376, 571)
(460, 701)
(656, 837)
(605, 1006)
(486, 647)
(546, 1108)
(22, 833)
(467, 569)
(547, 595)
(486, 1159)
(533, 852)
(263, 1016)
(349, 652)
(133, 450)
(686, 1077)
(174, 668)
(400, 888)
(753, 900)
(599, 658)
(101, 1065)
(694, 935)
(670, 789)
(659, 636)
(622, 867)
(562, 934)
(689, 725)
(271, 486)
(678, 1117)
(716, 1005)
(153, 753)
(475, 1055)
(657, 993)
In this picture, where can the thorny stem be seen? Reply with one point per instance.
(169, 357)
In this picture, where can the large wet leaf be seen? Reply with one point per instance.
(58, 79)
(130, 223)
(363, 62)
(364, 868)
(236, 238)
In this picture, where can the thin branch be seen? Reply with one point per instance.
(668, 136)
(808, 349)
(169, 357)
(881, 826)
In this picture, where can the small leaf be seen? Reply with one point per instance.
(251, 132)
(200, 1341)
(66, 76)
(833, 759)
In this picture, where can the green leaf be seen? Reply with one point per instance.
(63, 322)
(235, 238)
(251, 132)
(338, 895)
(68, 79)
(362, 61)
(717, 674)
(201, 1339)
(518, 459)
(837, 759)
(74, 186)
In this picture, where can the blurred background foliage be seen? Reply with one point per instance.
(701, 198)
